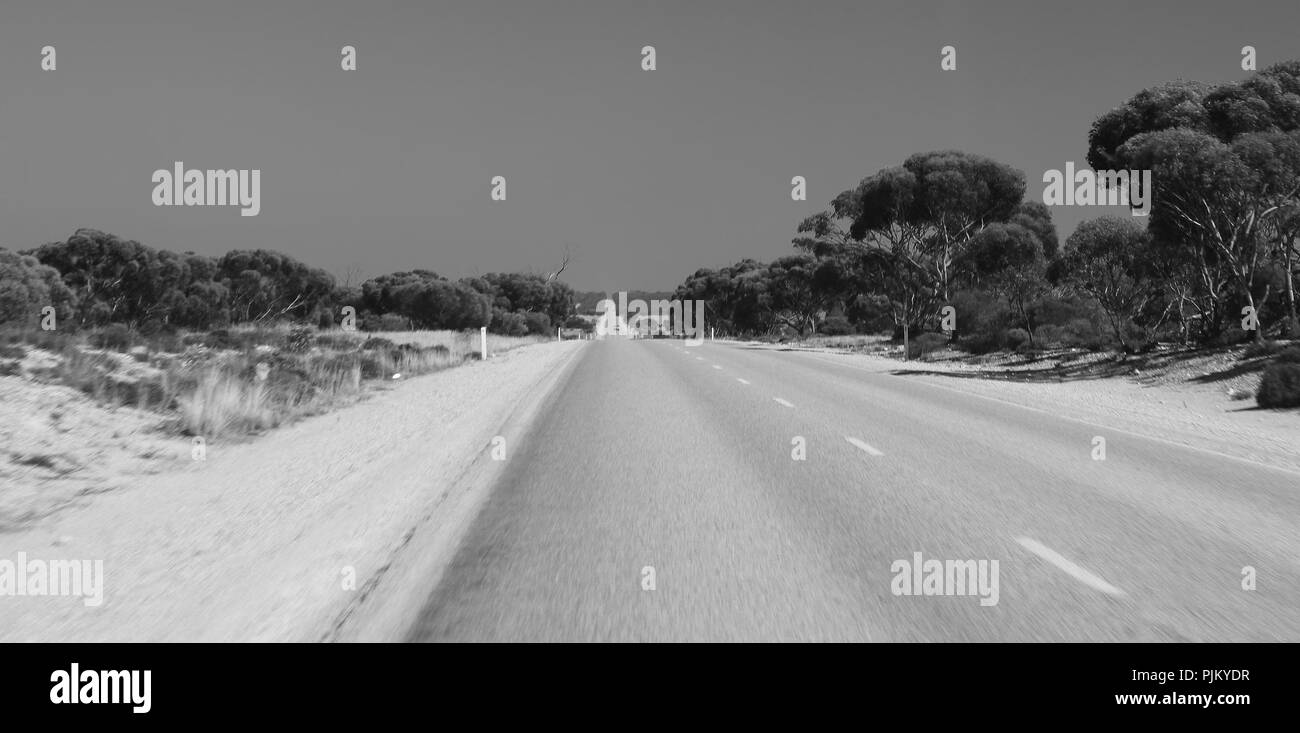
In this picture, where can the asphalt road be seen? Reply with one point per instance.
(651, 454)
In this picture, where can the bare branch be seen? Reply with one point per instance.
(563, 264)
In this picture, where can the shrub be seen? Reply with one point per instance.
(27, 286)
(12, 351)
(980, 343)
(1289, 355)
(57, 340)
(1081, 332)
(1259, 348)
(394, 322)
(288, 381)
(507, 324)
(299, 340)
(1280, 386)
(376, 343)
(537, 323)
(338, 341)
(1230, 336)
(1016, 337)
(1077, 333)
(1050, 336)
(836, 326)
(167, 341)
(218, 338)
(221, 403)
(1291, 328)
(981, 316)
(371, 322)
(113, 337)
(869, 314)
(924, 344)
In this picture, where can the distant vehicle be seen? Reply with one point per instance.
(646, 326)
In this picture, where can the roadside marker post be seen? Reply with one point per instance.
(482, 332)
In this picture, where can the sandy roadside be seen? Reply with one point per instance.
(1188, 414)
(258, 542)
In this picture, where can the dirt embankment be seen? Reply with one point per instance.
(265, 540)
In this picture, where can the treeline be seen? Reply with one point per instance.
(94, 279)
(947, 228)
(588, 302)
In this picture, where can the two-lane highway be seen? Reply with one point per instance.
(769, 495)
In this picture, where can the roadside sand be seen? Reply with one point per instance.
(255, 542)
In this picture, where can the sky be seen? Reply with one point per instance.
(643, 176)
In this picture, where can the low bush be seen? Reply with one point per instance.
(1260, 348)
(1015, 337)
(377, 343)
(1231, 336)
(508, 324)
(1289, 355)
(338, 342)
(166, 341)
(1280, 386)
(113, 337)
(300, 339)
(222, 403)
(1078, 333)
(394, 322)
(925, 344)
(836, 326)
(537, 323)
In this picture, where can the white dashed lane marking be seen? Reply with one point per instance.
(742, 381)
(1072, 570)
(864, 446)
(780, 401)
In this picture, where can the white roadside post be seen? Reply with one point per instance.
(557, 335)
(482, 332)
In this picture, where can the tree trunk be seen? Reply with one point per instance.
(1290, 291)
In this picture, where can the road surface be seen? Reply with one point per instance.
(654, 455)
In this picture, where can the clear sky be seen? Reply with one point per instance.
(645, 175)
